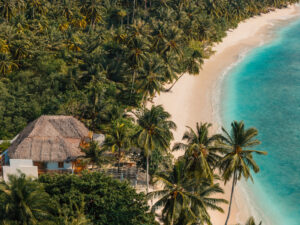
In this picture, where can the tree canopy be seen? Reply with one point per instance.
(96, 59)
(107, 201)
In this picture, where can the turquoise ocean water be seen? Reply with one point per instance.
(264, 91)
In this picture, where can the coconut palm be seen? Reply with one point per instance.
(6, 64)
(25, 201)
(4, 48)
(251, 221)
(137, 55)
(183, 199)
(155, 132)
(7, 9)
(172, 41)
(238, 159)
(93, 11)
(66, 9)
(200, 152)
(94, 155)
(118, 141)
(20, 49)
(151, 77)
(77, 216)
(20, 6)
(35, 7)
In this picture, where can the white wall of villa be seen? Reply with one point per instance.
(20, 165)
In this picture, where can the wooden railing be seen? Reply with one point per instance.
(62, 171)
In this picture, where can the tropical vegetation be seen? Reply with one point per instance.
(189, 189)
(103, 62)
(24, 201)
(185, 192)
(91, 198)
(96, 59)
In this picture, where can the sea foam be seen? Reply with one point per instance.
(263, 88)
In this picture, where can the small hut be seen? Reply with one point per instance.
(52, 143)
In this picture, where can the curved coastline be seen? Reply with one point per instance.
(281, 185)
(197, 98)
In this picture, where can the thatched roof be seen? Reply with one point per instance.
(49, 139)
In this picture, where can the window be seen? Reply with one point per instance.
(60, 164)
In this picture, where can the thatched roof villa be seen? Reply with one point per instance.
(51, 142)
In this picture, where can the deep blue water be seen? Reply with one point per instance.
(264, 91)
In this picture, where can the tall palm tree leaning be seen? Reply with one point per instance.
(238, 159)
(155, 132)
(200, 151)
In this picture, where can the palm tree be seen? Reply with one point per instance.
(118, 141)
(67, 9)
(4, 48)
(251, 221)
(25, 201)
(6, 64)
(35, 6)
(20, 49)
(155, 132)
(94, 155)
(93, 11)
(137, 55)
(151, 79)
(183, 199)
(20, 6)
(7, 9)
(200, 151)
(77, 216)
(238, 159)
(172, 41)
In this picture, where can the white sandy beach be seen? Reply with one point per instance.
(192, 98)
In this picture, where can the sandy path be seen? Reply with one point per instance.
(191, 99)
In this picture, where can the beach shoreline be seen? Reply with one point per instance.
(197, 98)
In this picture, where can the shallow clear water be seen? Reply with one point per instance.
(264, 91)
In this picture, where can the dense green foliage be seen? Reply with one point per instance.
(107, 201)
(95, 59)
(159, 161)
(98, 60)
(94, 155)
(91, 198)
(4, 145)
(24, 202)
(186, 195)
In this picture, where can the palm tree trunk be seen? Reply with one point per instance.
(169, 89)
(147, 174)
(132, 84)
(133, 11)
(230, 203)
(119, 159)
